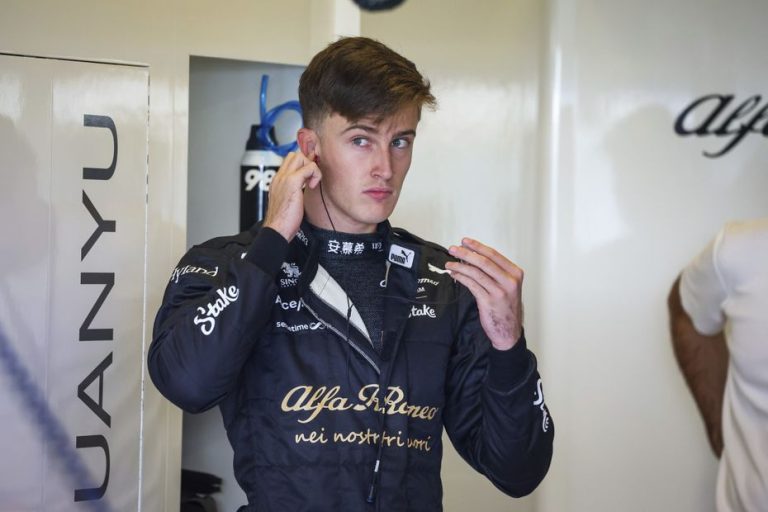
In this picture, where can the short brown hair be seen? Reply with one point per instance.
(358, 77)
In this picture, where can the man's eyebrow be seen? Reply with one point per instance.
(357, 126)
(372, 129)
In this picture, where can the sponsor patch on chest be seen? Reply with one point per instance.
(401, 256)
(423, 310)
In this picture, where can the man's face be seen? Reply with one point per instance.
(364, 164)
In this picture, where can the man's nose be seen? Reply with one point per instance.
(382, 164)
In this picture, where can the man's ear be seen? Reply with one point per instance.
(308, 142)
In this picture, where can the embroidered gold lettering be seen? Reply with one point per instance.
(313, 437)
(314, 400)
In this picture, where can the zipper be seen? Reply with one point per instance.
(384, 281)
(349, 342)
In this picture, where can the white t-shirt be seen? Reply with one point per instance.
(726, 287)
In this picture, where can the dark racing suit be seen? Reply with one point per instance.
(253, 324)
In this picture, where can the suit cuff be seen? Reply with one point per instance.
(268, 251)
(508, 368)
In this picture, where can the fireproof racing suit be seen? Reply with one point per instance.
(320, 421)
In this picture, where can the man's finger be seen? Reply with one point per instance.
(294, 160)
(477, 275)
(480, 261)
(478, 292)
(490, 253)
(297, 171)
(310, 174)
(316, 177)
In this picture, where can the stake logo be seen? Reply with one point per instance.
(540, 402)
(207, 321)
(424, 310)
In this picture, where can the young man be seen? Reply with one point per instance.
(336, 346)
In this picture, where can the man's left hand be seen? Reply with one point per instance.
(496, 283)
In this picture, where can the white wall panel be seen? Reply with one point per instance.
(81, 233)
(626, 202)
(25, 121)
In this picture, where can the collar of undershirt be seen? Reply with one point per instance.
(334, 245)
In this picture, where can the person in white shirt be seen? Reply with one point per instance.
(719, 323)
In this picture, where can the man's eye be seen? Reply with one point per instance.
(401, 143)
(360, 141)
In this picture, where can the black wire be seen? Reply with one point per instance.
(322, 198)
(349, 302)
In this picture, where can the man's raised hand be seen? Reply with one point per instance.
(286, 193)
(496, 283)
